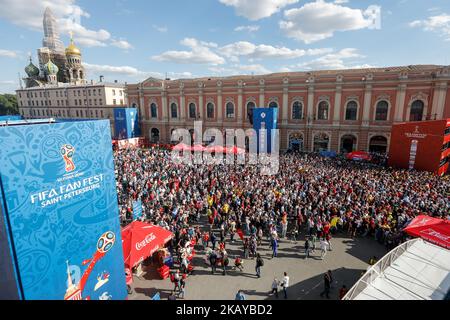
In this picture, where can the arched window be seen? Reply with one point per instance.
(381, 113)
(174, 110)
(297, 110)
(348, 143)
(133, 106)
(210, 110)
(192, 111)
(322, 113)
(230, 110)
(154, 137)
(416, 113)
(321, 142)
(351, 111)
(250, 106)
(153, 111)
(273, 104)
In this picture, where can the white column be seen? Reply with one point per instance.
(240, 107)
(182, 107)
(200, 103)
(337, 105)
(219, 105)
(310, 113)
(285, 114)
(440, 94)
(367, 103)
(164, 106)
(262, 103)
(400, 103)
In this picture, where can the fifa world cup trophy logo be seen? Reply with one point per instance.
(67, 152)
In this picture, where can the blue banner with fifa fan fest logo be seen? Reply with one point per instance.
(60, 212)
(126, 123)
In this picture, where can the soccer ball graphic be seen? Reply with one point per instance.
(106, 241)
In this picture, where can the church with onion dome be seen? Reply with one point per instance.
(56, 64)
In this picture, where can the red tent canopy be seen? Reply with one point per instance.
(215, 149)
(198, 147)
(431, 229)
(181, 146)
(140, 240)
(359, 155)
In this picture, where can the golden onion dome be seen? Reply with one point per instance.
(72, 49)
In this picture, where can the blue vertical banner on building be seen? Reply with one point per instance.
(126, 123)
(265, 118)
(60, 203)
(137, 210)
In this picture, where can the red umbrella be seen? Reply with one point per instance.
(431, 229)
(181, 147)
(359, 155)
(198, 147)
(140, 240)
(215, 149)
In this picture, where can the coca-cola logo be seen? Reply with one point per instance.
(148, 239)
(436, 234)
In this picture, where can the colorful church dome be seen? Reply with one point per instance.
(51, 68)
(32, 70)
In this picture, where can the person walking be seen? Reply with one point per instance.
(323, 248)
(307, 248)
(225, 262)
(239, 295)
(259, 264)
(275, 285)
(213, 261)
(327, 284)
(285, 284)
(213, 240)
(274, 247)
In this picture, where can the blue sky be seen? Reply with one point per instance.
(130, 40)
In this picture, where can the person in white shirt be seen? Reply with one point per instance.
(285, 284)
(275, 285)
(323, 248)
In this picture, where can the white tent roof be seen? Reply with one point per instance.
(416, 270)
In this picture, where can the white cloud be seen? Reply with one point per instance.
(257, 9)
(29, 14)
(122, 44)
(247, 28)
(335, 61)
(200, 54)
(439, 24)
(341, 1)
(319, 20)
(122, 70)
(263, 51)
(160, 29)
(8, 53)
(253, 68)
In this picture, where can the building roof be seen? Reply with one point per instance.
(62, 85)
(416, 270)
(386, 70)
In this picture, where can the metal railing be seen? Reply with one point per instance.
(377, 269)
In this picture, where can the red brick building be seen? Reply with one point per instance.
(340, 110)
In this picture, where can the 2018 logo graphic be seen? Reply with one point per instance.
(67, 152)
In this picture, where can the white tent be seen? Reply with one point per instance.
(415, 270)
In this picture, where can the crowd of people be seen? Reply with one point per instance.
(310, 196)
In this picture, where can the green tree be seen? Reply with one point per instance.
(8, 104)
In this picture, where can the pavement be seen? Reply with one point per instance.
(347, 261)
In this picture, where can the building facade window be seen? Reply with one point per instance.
(210, 110)
(250, 107)
(173, 110)
(192, 111)
(297, 110)
(381, 112)
(230, 110)
(321, 142)
(153, 111)
(273, 104)
(114, 102)
(351, 111)
(416, 113)
(323, 110)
